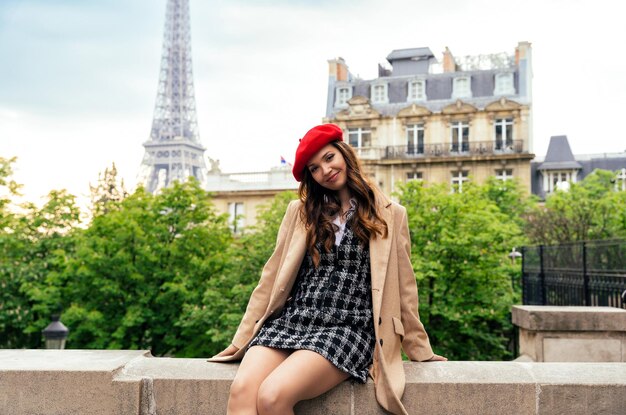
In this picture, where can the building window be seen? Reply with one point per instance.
(417, 91)
(458, 178)
(504, 133)
(504, 84)
(379, 94)
(462, 87)
(620, 180)
(415, 139)
(343, 94)
(235, 216)
(414, 175)
(558, 180)
(459, 136)
(504, 174)
(360, 137)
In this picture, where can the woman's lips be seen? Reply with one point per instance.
(333, 177)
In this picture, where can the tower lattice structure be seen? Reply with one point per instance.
(174, 151)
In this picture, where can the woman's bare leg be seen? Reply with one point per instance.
(257, 363)
(303, 375)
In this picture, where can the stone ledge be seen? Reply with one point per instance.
(132, 382)
(569, 318)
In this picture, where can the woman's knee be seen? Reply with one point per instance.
(271, 399)
(241, 389)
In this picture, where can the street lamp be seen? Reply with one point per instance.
(55, 334)
(514, 255)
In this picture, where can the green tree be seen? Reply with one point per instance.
(460, 243)
(139, 266)
(34, 245)
(226, 297)
(590, 209)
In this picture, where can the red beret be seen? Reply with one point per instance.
(312, 142)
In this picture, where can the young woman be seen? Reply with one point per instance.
(337, 299)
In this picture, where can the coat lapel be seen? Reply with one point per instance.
(294, 254)
(380, 249)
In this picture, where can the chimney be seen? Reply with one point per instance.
(449, 65)
(338, 69)
(382, 71)
(522, 51)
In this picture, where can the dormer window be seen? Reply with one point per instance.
(417, 91)
(379, 94)
(462, 87)
(342, 94)
(504, 84)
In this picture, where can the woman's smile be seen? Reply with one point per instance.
(332, 178)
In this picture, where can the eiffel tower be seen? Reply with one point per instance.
(174, 151)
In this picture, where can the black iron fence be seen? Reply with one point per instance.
(591, 273)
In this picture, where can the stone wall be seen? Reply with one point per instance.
(67, 382)
(571, 333)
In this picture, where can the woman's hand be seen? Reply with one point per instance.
(229, 351)
(437, 358)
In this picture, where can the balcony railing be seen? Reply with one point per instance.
(471, 148)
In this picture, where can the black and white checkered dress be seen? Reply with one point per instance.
(330, 310)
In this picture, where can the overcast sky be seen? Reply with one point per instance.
(78, 78)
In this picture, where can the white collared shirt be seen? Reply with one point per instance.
(341, 225)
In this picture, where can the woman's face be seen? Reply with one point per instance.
(328, 168)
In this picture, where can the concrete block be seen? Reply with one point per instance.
(127, 383)
(581, 350)
(185, 386)
(67, 382)
(462, 388)
(364, 398)
(569, 318)
(332, 402)
(582, 400)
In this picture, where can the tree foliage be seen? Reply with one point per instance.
(139, 266)
(460, 243)
(34, 243)
(590, 209)
(164, 272)
(227, 295)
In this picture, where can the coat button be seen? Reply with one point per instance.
(381, 342)
(380, 321)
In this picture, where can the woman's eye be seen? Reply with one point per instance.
(312, 169)
(330, 157)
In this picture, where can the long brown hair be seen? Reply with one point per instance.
(321, 205)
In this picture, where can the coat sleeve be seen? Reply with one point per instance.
(260, 297)
(415, 342)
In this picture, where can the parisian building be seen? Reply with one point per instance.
(447, 121)
(560, 167)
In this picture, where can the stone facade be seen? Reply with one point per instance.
(471, 120)
(241, 195)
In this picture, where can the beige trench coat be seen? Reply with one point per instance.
(394, 299)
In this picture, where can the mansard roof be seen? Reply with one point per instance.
(559, 155)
